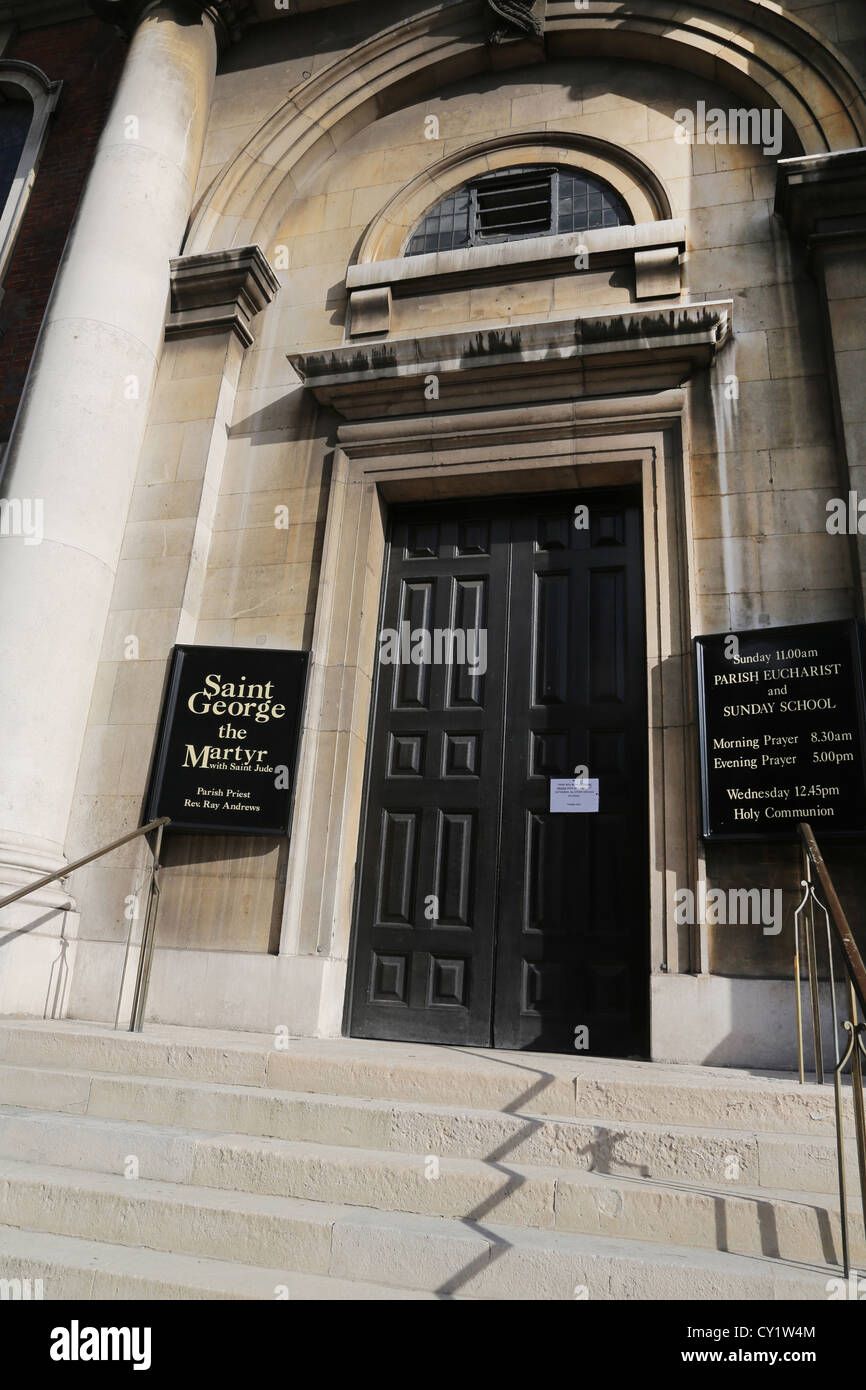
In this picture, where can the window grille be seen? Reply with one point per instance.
(518, 203)
(511, 205)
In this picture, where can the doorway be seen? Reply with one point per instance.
(511, 652)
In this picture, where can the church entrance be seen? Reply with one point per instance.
(511, 653)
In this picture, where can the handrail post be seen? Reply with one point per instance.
(132, 922)
(859, 1034)
(840, 1161)
(840, 936)
(152, 905)
(145, 959)
(812, 969)
(798, 983)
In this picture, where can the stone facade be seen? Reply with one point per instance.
(279, 165)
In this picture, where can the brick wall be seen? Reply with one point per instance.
(87, 56)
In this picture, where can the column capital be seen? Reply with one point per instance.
(228, 15)
(823, 195)
(219, 290)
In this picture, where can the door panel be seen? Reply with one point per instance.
(572, 923)
(481, 916)
(429, 852)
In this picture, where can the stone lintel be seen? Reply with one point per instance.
(530, 255)
(219, 290)
(824, 193)
(637, 350)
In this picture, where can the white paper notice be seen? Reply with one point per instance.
(574, 794)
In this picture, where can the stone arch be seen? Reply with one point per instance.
(28, 79)
(639, 186)
(748, 46)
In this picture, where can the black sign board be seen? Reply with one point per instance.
(228, 740)
(782, 731)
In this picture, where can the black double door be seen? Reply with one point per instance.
(483, 917)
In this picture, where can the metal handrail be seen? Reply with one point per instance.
(838, 932)
(85, 859)
(855, 966)
(145, 959)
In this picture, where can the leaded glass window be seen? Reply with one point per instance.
(514, 203)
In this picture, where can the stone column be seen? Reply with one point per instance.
(77, 438)
(822, 198)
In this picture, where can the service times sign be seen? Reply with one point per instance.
(227, 746)
(781, 714)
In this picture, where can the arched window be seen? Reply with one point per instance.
(523, 202)
(15, 119)
(27, 99)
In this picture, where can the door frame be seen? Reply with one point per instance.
(557, 448)
(499, 505)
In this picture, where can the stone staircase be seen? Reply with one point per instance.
(180, 1163)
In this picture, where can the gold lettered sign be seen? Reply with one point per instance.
(783, 731)
(227, 747)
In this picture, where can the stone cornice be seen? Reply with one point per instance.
(558, 359)
(220, 290)
(820, 193)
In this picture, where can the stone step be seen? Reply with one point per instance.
(333, 1165)
(420, 1256)
(540, 1196)
(261, 1229)
(533, 1084)
(691, 1154)
(72, 1269)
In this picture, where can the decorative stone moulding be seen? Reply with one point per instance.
(229, 16)
(370, 311)
(653, 250)
(645, 350)
(758, 51)
(219, 290)
(824, 193)
(639, 187)
(657, 272)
